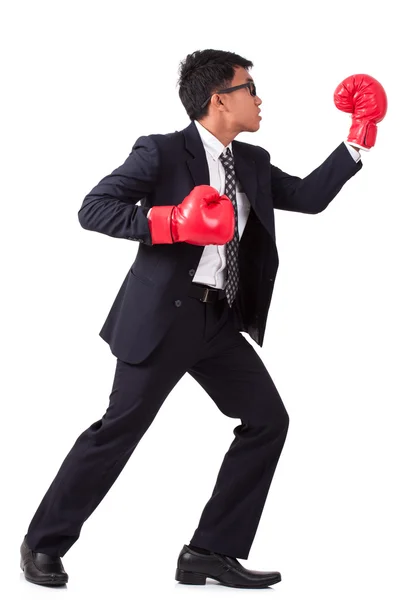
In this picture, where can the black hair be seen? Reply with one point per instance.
(202, 73)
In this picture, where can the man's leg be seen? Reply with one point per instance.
(233, 374)
(101, 451)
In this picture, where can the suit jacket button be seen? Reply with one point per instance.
(192, 272)
(178, 302)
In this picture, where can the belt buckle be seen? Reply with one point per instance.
(205, 296)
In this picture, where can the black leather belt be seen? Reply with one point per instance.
(205, 293)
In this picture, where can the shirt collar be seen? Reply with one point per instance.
(213, 146)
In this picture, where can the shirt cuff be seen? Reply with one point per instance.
(354, 153)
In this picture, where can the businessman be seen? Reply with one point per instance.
(201, 206)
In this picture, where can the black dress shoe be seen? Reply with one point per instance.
(41, 568)
(194, 568)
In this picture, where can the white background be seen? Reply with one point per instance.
(81, 81)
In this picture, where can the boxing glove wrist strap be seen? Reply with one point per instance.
(159, 221)
(363, 132)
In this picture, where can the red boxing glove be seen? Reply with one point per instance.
(204, 217)
(365, 97)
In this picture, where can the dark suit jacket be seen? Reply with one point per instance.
(162, 170)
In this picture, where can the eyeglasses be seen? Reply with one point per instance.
(250, 84)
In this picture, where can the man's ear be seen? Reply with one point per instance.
(218, 101)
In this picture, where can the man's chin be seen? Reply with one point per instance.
(251, 128)
(255, 127)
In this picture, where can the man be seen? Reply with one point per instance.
(204, 271)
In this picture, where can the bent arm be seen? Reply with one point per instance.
(110, 207)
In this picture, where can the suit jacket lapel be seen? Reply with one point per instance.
(245, 169)
(197, 162)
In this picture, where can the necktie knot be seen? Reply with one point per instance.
(226, 156)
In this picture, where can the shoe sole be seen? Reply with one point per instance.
(191, 578)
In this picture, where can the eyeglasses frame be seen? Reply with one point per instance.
(249, 84)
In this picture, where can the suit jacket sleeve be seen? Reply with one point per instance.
(111, 206)
(313, 193)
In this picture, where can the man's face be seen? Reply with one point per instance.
(242, 109)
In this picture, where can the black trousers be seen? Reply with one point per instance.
(203, 342)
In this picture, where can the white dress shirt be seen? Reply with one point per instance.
(211, 269)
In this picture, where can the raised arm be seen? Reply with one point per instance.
(313, 193)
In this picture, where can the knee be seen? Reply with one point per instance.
(273, 423)
(285, 420)
(281, 421)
